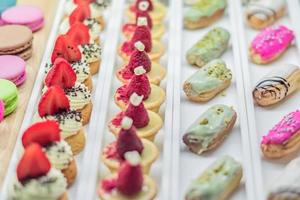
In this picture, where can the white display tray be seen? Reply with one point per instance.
(176, 166)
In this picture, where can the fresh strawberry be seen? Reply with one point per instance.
(83, 1)
(139, 84)
(130, 177)
(61, 74)
(33, 164)
(43, 133)
(149, 2)
(139, 58)
(53, 101)
(128, 139)
(81, 12)
(64, 48)
(137, 112)
(143, 34)
(79, 34)
(146, 15)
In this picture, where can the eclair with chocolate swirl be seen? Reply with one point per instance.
(277, 85)
(263, 13)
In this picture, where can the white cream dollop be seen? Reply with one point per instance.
(59, 154)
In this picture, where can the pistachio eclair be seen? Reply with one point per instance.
(277, 85)
(208, 81)
(210, 47)
(217, 182)
(210, 129)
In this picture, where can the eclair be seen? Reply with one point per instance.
(276, 86)
(208, 81)
(283, 138)
(210, 129)
(208, 48)
(217, 182)
(270, 44)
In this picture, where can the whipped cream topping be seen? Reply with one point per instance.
(90, 52)
(79, 96)
(59, 154)
(49, 187)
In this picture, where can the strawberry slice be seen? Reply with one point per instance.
(65, 48)
(34, 163)
(53, 101)
(79, 34)
(43, 133)
(61, 74)
(81, 12)
(83, 1)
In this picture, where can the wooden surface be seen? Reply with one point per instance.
(9, 128)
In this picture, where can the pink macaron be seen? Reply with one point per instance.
(12, 68)
(1, 110)
(26, 15)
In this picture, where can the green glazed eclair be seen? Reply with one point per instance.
(210, 129)
(207, 82)
(203, 13)
(210, 47)
(217, 182)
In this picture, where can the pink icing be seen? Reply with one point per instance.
(108, 185)
(110, 152)
(284, 130)
(2, 109)
(272, 41)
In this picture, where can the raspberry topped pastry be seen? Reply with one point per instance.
(36, 179)
(114, 153)
(59, 153)
(62, 74)
(129, 183)
(142, 33)
(139, 57)
(157, 30)
(156, 9)
(153, 96)
(55, 105)
(148, 123)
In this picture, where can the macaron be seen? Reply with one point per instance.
(26, 15)
(16, 40)
(1, 110)
(9, 95)
(12, 68)
(4, 4)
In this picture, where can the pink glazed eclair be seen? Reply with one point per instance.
(270, 44)
(283, 138)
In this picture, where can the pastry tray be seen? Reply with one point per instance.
(176, 166)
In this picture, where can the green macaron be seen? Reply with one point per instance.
(9, 95)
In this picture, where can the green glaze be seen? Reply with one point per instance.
(211, 76)
(211, 46)
(9, 95)
(210, 125)
(215, 180)
(204, 8)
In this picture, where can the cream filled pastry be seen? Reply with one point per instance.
(277, 85)
(283, 138)
(127, 140)
(139, 57)
(207, 82)
(92, 24)
(129, 183)
(91, 54)
(153, 95)
(210, 129)
(148, 123)
(59, 153)
(217, 182)
(263, 13)
(36, 179)
(55, 105)
(270, 44)
(286, 186)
